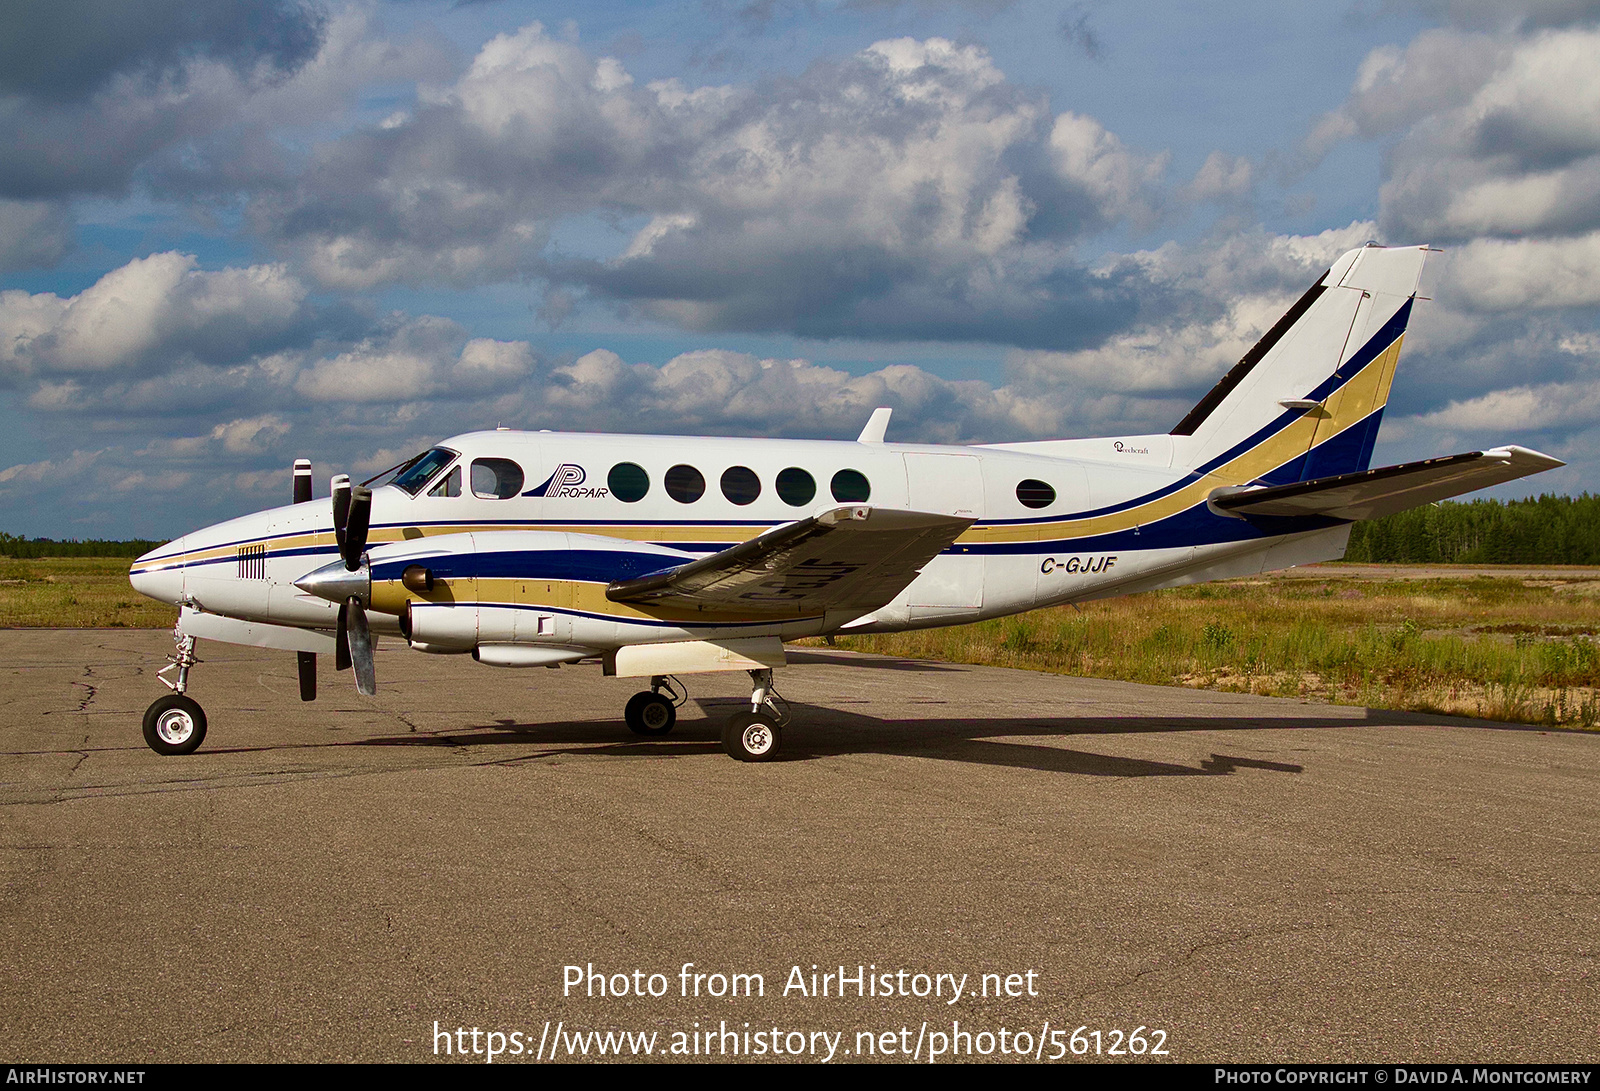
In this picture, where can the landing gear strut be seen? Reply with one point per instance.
(654, 711)
(757, 735)
(176, 724)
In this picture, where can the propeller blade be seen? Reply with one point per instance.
(358, 516)
(341, 649)
(307, 662)
(360, 641)
(341, 507)
(302, 480)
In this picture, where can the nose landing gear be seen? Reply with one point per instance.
(176, 724)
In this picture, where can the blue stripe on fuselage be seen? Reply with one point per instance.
(585, 565)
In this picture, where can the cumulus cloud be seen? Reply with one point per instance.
(464, 188)
(1497, 133)
(1521, 409)
(1499, 275)
(422, 358)
(66, 51)
(242, 436)
(34, 473)
(907, 191)
(1226, 293)
(147, 313)
(194, 96)
(1223, 179)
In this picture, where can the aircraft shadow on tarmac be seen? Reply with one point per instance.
(830, 732)
(858, 660)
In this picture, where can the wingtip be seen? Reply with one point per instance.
(1526, 456)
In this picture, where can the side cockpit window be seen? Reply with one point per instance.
(419, 471)
(449, 484)
(496, 478)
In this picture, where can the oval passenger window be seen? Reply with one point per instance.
(850, 487)
(628, 482)
(685, 484)
(740, 484)
(796, 487)
(1035, 494)
(496, 478)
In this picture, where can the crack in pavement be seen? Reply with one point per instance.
(1189, 956)
(90, 692)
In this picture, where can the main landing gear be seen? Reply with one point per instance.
(176, 724)
(757, 735)
(652, 711)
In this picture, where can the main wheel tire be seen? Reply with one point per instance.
(752, 737)
(649, 713)
(174, 724)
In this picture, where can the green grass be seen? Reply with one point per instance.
(76, 593)
(1503, 648)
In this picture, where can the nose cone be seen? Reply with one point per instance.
(336, 583)
(158, 575)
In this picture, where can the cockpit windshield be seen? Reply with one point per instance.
(420, 470)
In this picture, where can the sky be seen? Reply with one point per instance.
(238, 232)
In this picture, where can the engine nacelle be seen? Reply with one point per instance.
(440, 626)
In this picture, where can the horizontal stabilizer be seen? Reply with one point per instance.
(1370, 494)
(855, 557)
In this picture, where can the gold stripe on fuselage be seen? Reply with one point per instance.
(390, 597)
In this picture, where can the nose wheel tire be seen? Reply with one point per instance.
(174, 724)
(752, 737)
(649, 713)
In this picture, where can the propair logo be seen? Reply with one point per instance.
(567, 480)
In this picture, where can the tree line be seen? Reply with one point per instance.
(12, 545)
(1547, 530)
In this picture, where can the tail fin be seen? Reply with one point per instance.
(1306, 401)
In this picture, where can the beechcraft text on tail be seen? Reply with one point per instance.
(664, 556)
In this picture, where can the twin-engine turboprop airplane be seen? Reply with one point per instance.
(662, 556)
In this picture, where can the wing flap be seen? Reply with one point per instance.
(855, 557)
(1370, 494)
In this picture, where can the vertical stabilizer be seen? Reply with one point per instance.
(1306, 401)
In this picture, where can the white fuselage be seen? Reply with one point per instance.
(1113, 516)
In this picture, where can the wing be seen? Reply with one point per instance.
(1373, 493)
(849, 558)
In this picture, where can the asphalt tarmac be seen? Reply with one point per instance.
(1244, 878)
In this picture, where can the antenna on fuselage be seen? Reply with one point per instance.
(877, 426)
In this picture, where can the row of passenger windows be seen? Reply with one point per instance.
(501, 479)
(630, 483)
